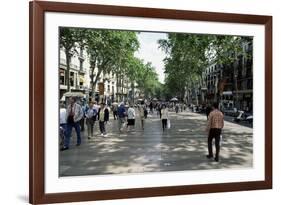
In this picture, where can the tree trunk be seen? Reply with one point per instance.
(93, 87)
(122, 87)
(94, 84)
(117, 86)
(68, 60)
(133, 91)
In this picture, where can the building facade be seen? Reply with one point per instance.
(230, 84)
(109, 87)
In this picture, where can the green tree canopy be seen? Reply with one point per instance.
(188, 55)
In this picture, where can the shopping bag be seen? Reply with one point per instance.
(168, 124)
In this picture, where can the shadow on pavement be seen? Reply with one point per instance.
(181, 148)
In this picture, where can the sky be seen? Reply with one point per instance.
(150, 52)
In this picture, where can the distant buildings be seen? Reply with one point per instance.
(114, 87)
(231, 85)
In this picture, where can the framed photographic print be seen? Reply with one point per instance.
(132, 102)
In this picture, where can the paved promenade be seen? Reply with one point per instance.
(183, 147)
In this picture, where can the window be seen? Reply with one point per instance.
(81, 65)
(71, 79)
(62, 77)
(250, 84)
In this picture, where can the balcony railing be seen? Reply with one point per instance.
(74, 66)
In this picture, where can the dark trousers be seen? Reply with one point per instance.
(102, 127)
(164, 123)
(82, 123)
(69, 127)
(90, 126)
(214, 133)
(115, 115)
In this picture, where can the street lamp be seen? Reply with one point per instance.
(236, 87)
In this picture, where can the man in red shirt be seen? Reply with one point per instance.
(214, 127)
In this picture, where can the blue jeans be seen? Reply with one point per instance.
(69, 127)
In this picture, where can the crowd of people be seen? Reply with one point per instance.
(76, 115)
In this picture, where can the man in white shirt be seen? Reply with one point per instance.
(164, 116)
(131, 117)
(62, 115)
(62, 124)
(74, 114)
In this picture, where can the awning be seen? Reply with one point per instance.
(74, 94)
(62, 72)
(227, 93)
(243, 91)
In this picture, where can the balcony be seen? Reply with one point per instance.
(82, 71)
(73, 66)
(62, 61)
(82, 57)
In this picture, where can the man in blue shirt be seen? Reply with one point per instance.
(121, 112)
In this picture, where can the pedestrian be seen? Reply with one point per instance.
(103, 117)
(62, 124)
(159, 110)
(91, 115)
(142, 110)
(131, 117)
(164, 116)
(177, 108)
(82, 121)
(114, 110)
(74, 114)
(214, 128)
(145, 111)
(151, 107)
(208, 110)
(96, 105)
(121, 112)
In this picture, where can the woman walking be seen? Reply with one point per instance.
(103, 117)
(143, 113)
(90, 114)
(164, 116)
(131, 117)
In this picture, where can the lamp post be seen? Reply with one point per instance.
(92, 88)
(236, 88)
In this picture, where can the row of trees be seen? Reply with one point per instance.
(189, 54)
(109, 52)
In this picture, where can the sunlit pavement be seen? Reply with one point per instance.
(182, 147)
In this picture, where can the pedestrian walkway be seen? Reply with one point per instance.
(183, 147)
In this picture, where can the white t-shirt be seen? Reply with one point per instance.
(62, 116)
(141, 109)
(131, 113)
(165, 113)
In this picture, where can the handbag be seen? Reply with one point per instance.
(168, 124)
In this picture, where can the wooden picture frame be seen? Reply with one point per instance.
(37, 193)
